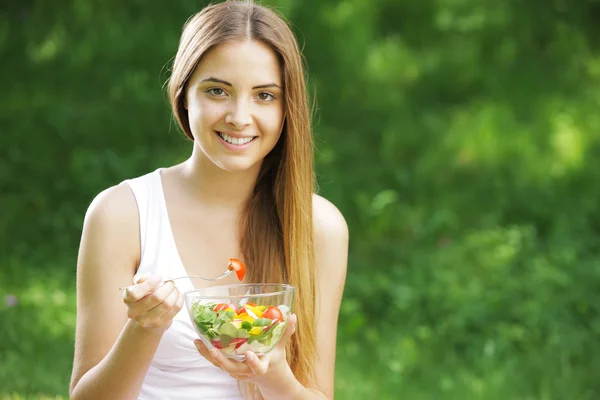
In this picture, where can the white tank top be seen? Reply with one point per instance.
(177, 371)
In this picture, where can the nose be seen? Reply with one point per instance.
(239, 116)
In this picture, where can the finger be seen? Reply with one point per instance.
(175, 309)
(140, 290)
(259, 367)
(139, 278)
(180, 301)
(147, 310)
(156, 297)
(289, 330)
(233, 367)
(164, 300)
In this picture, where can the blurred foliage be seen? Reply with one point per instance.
(460, 138)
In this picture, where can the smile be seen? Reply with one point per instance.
(235, 141)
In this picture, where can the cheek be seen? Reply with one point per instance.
(272, 122)
(204, 113)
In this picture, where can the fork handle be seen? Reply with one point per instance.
(187, 276)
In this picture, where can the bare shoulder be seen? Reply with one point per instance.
(111, 225)
(113, 206)
(329, 223)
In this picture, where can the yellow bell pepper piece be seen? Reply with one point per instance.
(257, 330)
(255, 310)
(246, 317)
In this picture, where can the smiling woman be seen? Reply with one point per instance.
(238, 92)
(234, 104)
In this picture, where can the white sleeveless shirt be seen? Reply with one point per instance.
(177, 371)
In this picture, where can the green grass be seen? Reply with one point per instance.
(402, 367)
(36, 340)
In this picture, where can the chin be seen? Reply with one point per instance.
(237, 165)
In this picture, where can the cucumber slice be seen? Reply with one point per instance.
(230, 329)
(262, 322)
(225, 340)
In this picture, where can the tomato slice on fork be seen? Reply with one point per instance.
(237, 266)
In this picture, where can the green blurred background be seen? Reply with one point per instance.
(460, 138)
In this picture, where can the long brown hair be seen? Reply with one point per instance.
(276, 227)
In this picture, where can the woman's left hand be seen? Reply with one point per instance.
(254, 369)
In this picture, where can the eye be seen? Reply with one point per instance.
(216, 92)
(265, 96)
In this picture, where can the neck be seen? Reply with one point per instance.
(215, 186)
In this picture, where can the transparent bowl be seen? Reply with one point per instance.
(241, 317)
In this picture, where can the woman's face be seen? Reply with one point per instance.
(235, 104)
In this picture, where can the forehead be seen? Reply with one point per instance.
(242, 63)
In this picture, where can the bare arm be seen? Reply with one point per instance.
(115, 342)
(331, 244)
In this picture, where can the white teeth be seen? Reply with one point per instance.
(236, 141)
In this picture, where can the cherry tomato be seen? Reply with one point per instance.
(221, 307)
(273, 313)
(237, 266)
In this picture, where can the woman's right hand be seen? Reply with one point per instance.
(151, 303)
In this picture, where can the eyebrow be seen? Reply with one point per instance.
(217, 80)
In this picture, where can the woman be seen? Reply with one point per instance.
(238, 92)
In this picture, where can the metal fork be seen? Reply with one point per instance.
(223, 275)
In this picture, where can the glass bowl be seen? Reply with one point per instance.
(241, 317)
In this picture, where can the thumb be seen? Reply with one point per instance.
(139, 278)
(289, 330)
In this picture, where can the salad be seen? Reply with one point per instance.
(237, 329)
